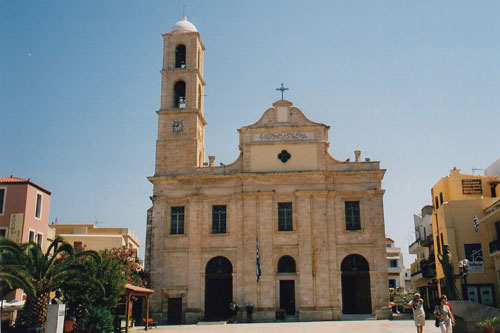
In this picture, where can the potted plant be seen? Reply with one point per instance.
(488, 325)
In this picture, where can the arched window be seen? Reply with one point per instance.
(180, 94)
(180, 56)
(219, 265)
(286, 264)
(354, 263)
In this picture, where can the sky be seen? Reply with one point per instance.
(414, 85)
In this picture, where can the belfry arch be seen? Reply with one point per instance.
(180, 56)
(356, 292)
(218, 288)
(180, 94)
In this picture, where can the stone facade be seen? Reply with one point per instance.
(283, 159)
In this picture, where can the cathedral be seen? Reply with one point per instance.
(284, 231)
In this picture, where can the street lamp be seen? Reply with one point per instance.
(464, 268)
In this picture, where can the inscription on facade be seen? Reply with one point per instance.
(290, 136)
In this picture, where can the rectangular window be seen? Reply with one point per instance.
(437, 203)
(352, 216)
(2, 200)
(3, 232)
(285, 216)
(39, 239)
(219, 219)
(441, 198)
(393, 263)
(392, 283)
(387, 245)
(177, 220)
(31, 236)
(38, 207)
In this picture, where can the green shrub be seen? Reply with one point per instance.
(99, 319)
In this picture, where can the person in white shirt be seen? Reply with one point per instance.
(417, 305)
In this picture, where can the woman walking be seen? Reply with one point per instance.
(443, 313)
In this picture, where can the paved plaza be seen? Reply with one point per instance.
(373, 326)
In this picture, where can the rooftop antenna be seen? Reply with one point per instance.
(475, 169)
(96, 222)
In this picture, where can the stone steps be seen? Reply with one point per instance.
(358, 317)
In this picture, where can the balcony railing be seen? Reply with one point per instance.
(494, 246)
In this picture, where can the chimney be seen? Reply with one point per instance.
(357, 156)
(211, 161)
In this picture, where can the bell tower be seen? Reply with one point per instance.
(180, 146)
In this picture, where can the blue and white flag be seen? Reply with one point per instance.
(258, 261)
(476, 224)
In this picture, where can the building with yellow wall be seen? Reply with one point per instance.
(457, 199)
(94, 238)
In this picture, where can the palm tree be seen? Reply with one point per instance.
(25, 266)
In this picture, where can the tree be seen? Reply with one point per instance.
(25, 266)
(93, 310)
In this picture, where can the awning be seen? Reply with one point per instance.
(138, 290)
(393, 258)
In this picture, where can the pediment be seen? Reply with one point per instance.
(283, 113)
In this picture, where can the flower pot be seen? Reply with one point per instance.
(68, 325)
(489, 329)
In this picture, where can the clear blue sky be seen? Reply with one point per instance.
(414, 85)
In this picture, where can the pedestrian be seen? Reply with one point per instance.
(448, 303)
(417, 305)
(444, 315)
(234, 311)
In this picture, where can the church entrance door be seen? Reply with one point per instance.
(174, 311)
(287, 296)
(218, 288)
(356, 294)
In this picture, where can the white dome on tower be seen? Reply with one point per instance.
(183, 26)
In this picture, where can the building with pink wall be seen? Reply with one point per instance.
(24, 212)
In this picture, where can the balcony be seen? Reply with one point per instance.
(394, 270)
(414, 246)
(494, 246)
(428, 268)
(426, 242)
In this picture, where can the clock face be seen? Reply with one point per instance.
(177, 126)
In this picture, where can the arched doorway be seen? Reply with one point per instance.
(218, 288)
(356, 294)
(286, 265)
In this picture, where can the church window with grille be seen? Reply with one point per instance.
(180, 56)
(177, 220)
(180, 95)
(352, 215)
(285, 216)
(219, 219)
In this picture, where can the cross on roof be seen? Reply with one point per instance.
(282, 89)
